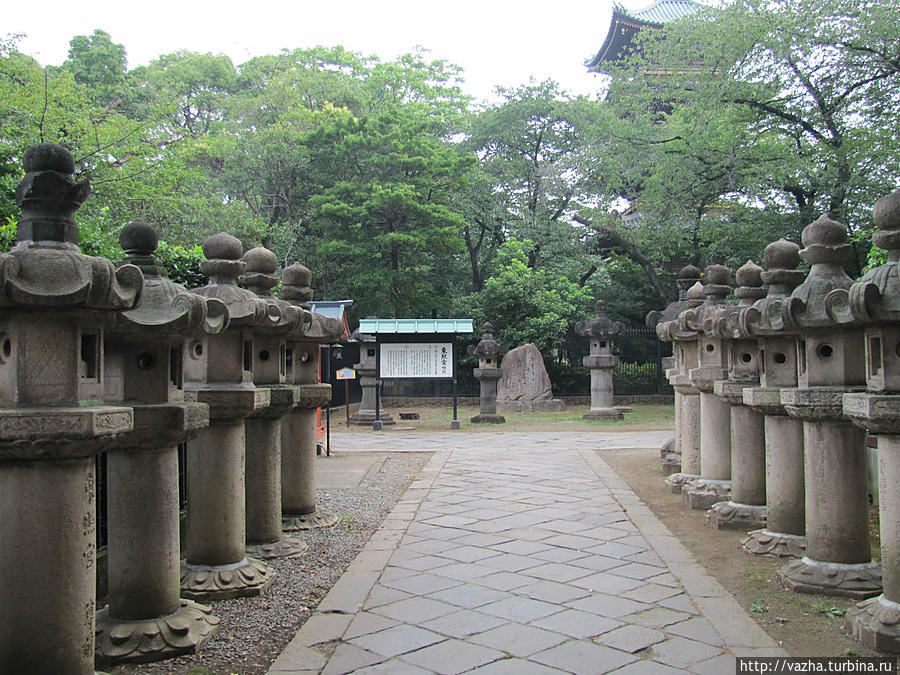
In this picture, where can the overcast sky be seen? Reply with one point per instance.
(495, 41)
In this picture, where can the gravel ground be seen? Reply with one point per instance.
(254, 631)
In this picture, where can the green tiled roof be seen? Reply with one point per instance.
(664, 11)
(410, 326)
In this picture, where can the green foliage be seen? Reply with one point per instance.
(181, 264)
(98, 63)
(7, 234)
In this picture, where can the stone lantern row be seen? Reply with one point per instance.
(96, 358)
(774, 397)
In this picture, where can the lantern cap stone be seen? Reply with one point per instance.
(138, 237)
(48, 157)
(223, 246)
(297, 289)
(260, 260)
(488, 346)
(782, 254)
(601, 325)
(749, 274)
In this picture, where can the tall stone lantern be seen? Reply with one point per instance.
(875, 300)
(831, 362)
(747, 507)
(488, 372)
(783, 535)
(54, 301)
(368, 380)
(298, 439)
(684, 358)
(714, 484)
(221, 375)
(601, 362)
(265, 538)
(144, 353)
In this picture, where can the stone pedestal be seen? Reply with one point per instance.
(52, 305)
(838, 558)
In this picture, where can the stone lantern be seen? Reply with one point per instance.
(747, 507)
(714, 484)
(216, 565)
(684, 357)
(601, 362)
(52, 423)
(144, 353)
(368, 380)
(264, 429)
(298, 439)
(488, 372)
(783, 535)
(831, 362)
(875, 300)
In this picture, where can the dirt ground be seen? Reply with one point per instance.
(804, 625)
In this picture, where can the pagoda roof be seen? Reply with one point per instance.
(625, 24)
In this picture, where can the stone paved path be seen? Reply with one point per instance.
(522, 553)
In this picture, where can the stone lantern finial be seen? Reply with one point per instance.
(297, 280)
(488, 347)
(259, 273)
(687, 277)
(49, 197)
(750, 284)
(140, 241)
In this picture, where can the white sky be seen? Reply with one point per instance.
(495, 41)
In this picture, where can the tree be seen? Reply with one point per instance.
(99, 64)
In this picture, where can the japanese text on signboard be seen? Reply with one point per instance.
(416, 359)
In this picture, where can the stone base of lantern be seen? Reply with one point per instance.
(247, 578)
(876, 624)
(671, 465)
(603, 414)
(736, 516)
(667, 448)
(484, 418)
(677, 481)
(860, 580)
(185, 631)
(285, 547)
(366, 417)
(308, 521)
(775, 544)
(701, 494)
(545, 405)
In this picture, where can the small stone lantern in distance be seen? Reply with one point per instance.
(601, 362)
(488, 372)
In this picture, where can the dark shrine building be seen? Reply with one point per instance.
(625, 24)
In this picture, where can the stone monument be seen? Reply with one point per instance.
(368, 380)
(53, 300)
(746, 509)
(838, 558)
(601, 362)
(875, 300)
(785, 528)
(298, 433)
(221, 375)
(144, 353)
(263, 430)
(488, 372)
(524, 385)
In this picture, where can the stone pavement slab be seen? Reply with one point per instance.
(520, 553)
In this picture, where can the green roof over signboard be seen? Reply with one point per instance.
(412, 326)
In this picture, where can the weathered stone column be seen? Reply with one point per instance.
(143, 356)
(831, 363)
(221, 375)
(714, 484)
(265, 538)
(601, 362)
(368, 380)
(687, 396)
(298, 439)
(488, 373)
(785, 528)
(53, 300)
(875, 300)
(747, 507)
